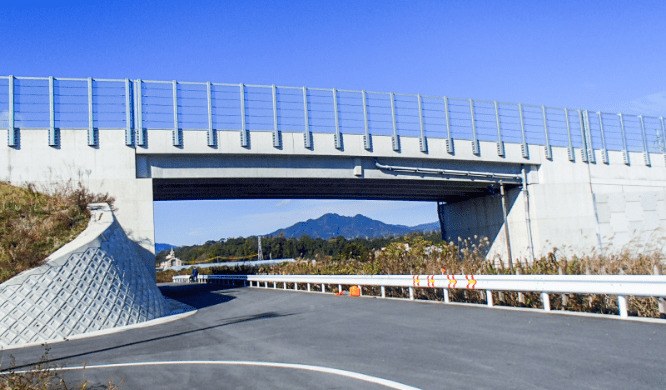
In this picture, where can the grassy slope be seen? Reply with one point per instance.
(33, 225)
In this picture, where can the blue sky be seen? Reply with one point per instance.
(594, 55)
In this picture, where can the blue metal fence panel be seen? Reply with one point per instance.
(4, 103)
(380, 120)
(485, 120)
(259, 108)
(576, 131)
(320, 111)
(192, 106)
(31, 103)
(460, 118)
(434, 117)
(226, 105)
(557, 127)
(510, 123)
(533, 120)
(350, 112)
(109, 110)
(407, 116)
(595, 131)
(70, 103)
(157, 105)
(653, 135)
(291, 117)
(612, 131)
(633, 133)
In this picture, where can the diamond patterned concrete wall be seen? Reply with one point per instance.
(95, 282)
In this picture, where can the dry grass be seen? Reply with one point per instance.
(470, 259)
(35, 224)
(42, 376)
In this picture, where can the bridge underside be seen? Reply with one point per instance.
(319, 188)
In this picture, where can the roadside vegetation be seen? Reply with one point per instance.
(34, 224)
(418, 255)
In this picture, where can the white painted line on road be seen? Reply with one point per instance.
(327, 370)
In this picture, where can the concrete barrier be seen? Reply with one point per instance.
(97, 281)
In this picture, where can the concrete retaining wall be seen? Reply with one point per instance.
(97, 281)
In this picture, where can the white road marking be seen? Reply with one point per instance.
(350, 374)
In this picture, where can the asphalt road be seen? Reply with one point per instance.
(424, 345)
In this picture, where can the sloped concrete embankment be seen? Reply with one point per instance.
(97, 281)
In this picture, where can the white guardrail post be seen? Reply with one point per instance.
(621, 285)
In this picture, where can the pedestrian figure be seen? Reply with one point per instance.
(195, 275)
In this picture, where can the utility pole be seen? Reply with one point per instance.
(260, 255)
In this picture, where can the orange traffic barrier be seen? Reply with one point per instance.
(340, 293)
(354, 291)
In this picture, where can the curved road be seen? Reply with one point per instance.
(315, 341)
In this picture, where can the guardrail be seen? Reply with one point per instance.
(620, 285)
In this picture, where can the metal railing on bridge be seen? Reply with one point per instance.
(137, 106)
(620, 285)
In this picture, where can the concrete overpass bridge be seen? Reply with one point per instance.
(576, 178)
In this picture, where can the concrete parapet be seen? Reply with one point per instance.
(97, 281)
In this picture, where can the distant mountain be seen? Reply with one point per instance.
(163, 247)
(358, 226)
(426, 227)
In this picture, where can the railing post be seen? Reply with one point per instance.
(129, 135)
(570, 149)
(663, 138)
(277, 139)
(565, 297)
(177, 134)
(307, 135)
(367, 141)
(245, 142)
(296, 286)
(53, 138)
(383, 292)
(274, 284)
(138, 125)
(583, 145)
(588, 138)
(338, 135)
(284, 285)
(360, 290)
(521, 296)
(339, 288)
(625, 152)
(266, 284)
(548, 148)
(545, 299)
(661, 301)
(11, 135)
(308, 287)
(422, 141)
(449, 138)
(411, 293)
(526, 152)
(92, 136)
(395, 139)
(604, 151)
(500, 142)
(622, 305)
(447, 299)
(475, 140)
(212, 139)
(646, 154)
(323, 288)
(489, 298)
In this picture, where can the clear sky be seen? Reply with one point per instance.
(597, 55)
